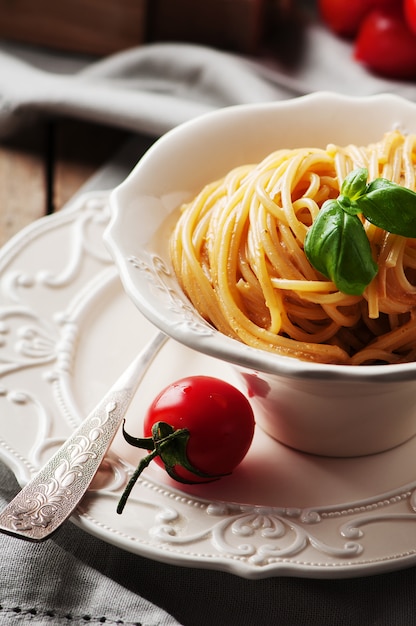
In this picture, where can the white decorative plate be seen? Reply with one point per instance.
(67, 330)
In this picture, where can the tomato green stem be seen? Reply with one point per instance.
(134, 477)
(170, 445)
(146, 443)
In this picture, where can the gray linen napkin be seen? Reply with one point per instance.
(153, 88)
(149, 89)
(71, 579)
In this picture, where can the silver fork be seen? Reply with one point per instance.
(49, 498)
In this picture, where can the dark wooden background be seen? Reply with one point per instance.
(43, 165)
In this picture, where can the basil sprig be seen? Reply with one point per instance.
(337, 245)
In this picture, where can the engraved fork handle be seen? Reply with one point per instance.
(53, 494)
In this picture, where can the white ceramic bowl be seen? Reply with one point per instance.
(323, 409)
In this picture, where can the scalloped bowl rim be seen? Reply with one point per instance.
(217, 344)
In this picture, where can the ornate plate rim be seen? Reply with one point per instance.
(162, 541)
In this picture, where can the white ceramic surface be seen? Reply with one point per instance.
(324, 409)
(67, 330)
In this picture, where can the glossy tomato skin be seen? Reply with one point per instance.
(386, 45)
(219, 419)
(410, 14)
(344, 17)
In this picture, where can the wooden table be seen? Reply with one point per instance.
(43, 165)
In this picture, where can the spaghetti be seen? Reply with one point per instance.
(237, 250)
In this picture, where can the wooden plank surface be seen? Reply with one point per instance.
(23, 181)
(102, 27)
(233, 25)
(42, 167)
(79, 149)
(87, 26)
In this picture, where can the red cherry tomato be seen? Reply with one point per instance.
(344, 17)
(386, 45)
(198, 428)
(409, 7)
(219, 419)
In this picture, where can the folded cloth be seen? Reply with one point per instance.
(149, 89)
(72, 579)
(152, 88)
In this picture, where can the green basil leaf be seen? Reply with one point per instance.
(337, 246)
(322, 237)
(353, 186)
(389, 206)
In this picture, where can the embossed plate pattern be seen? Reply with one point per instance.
(67, 330)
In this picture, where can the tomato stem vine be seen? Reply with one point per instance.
(170, 445)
